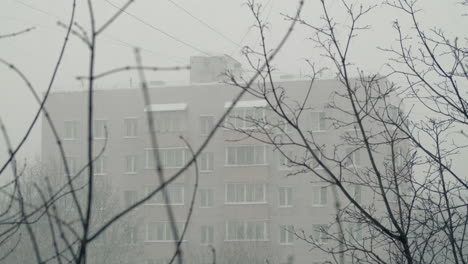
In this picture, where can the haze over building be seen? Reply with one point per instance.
(248, 203)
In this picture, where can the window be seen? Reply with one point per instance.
(399, 158)
(130, 164)
(319, 195)
(170, 121)
(315, 163)
(252, 230)
(206, 198)
(318, 121)
(320, 233)
(286, 234)
(245, 193)
(100, 166)
(131, 127)
(72, 163)
(245, 155)
(355, 192)
(130, 197)
(71, 130)
(353, 159)
(175, 193)
(206, 124)
(287, 128)
(354, 231)
(285, 160)
(206, 161)
(246, 118)
(207, 234)
(131, 234)
(162, 231)
(285, 197)
(100, 127)
(170, 158)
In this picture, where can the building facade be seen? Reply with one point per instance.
(248, 203)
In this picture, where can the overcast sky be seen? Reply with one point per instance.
(36, 52)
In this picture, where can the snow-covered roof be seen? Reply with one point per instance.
(246, 104)
(165, 107)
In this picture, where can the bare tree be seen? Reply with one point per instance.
(67, 213)
(397, 198)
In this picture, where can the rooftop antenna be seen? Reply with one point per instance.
(131, 83)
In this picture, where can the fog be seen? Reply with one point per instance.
(294, 171)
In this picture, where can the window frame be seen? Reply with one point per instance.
(150, 202)
(210, 236)
(321, 127)
(184, 157)
(289, 237)
(284, 163)
(323, 236)
(167, 229)
(126, 128)
(202, 132)
(321, 203)
(236, 147)
(74, 123)
(232, 125)
(353, 158)
(102, 160)
(245, 229)
(135, 164)
(204, 165)
(264, 188)
(209, 199)
(288, 203)
(95, 127)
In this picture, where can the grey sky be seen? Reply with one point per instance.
(36, 52)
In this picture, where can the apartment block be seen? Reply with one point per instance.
(248, 204)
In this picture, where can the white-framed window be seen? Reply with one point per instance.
(169, 157)
(355, 192)
(207, 124)
(246, 230)
(99, 128)
(286, 160)
(206, 198)
(72, 163)
(246, 118)
(162, 231)
(354, 231)
(100, 166)
(131, 127)
(169, 121)
(320, 233)
(318, 121)
(319, 195)
(285, 196)
(245, 155)
(399, 158)
(70, 130)
(286, 234)
(130, 164)
(130, 197)
(206, 234)
(206, 162)
(353, 159)
(315, 163)
(131, 234)
(175, 193)
(241, 193)
(287, 127)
